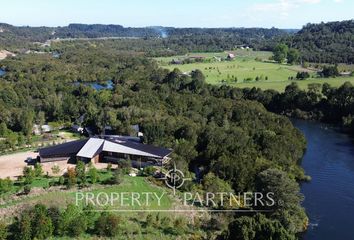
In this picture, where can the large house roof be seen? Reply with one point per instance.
(63, 149)
(157, 151)
(92, 147)
(89, 148)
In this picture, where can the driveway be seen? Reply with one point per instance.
(12, 165)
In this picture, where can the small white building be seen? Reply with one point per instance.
(77, 129)
(46, 128)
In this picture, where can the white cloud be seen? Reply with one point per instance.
(281, 7)
(338, 1)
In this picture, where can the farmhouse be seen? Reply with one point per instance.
(106, 149)
(230, 56)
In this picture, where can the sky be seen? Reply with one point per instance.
(177, 13)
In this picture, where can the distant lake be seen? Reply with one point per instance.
(2, 72)
(97, 85)
(329, 196)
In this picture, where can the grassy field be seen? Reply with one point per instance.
(129, 185)
(248, 69)
(303, 84)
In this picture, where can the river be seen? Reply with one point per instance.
(329, 196)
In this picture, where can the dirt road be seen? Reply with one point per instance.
(12, 165)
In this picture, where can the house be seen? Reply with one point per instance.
(174, 61)
(77, 129)
(345, 74)
(46, 128)
(39, 129)
(106, 149)
(230, 56)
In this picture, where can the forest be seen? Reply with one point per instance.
(326, 42)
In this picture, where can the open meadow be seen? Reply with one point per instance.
(248, 69)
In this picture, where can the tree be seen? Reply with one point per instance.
(67, 219)
(80, 170)
(54, 214)
(71, 178)
(117, 176)
(329, 71)
(280, 52)
(38, 171)
(42, 227)
(27, 189)
(3, 129)
(257, 228)
(40, 118)
(78, 226)
(108, 225)
(213, 184)
(26, 122)
(4, 232)
(28, 174)
(23, 228)
(5, 185)
(198, 80)
(293, 56)
(55, 169)
(93, 174)
(302, 75)
(61, 180)
(91, 216)
(287, 198)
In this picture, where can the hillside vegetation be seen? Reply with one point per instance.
(331, 42)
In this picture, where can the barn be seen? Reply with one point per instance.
(106, 149)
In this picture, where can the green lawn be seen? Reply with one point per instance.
(303, 84)
(242, 69)
(129, 185)
(245, 70)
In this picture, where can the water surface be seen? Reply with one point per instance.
(329, 197)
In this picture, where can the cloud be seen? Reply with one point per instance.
(337, 1)
(282, 7)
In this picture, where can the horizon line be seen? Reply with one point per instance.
(178, 27)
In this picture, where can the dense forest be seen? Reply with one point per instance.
(331, 42)
(319, 102)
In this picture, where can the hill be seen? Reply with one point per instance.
(331, 42)
(194, 39)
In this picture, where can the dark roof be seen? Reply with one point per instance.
(72, 148)
(65, 149)
(159, 151)
(119, 138)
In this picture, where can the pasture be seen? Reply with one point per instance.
(248, 69)
(61, 198)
